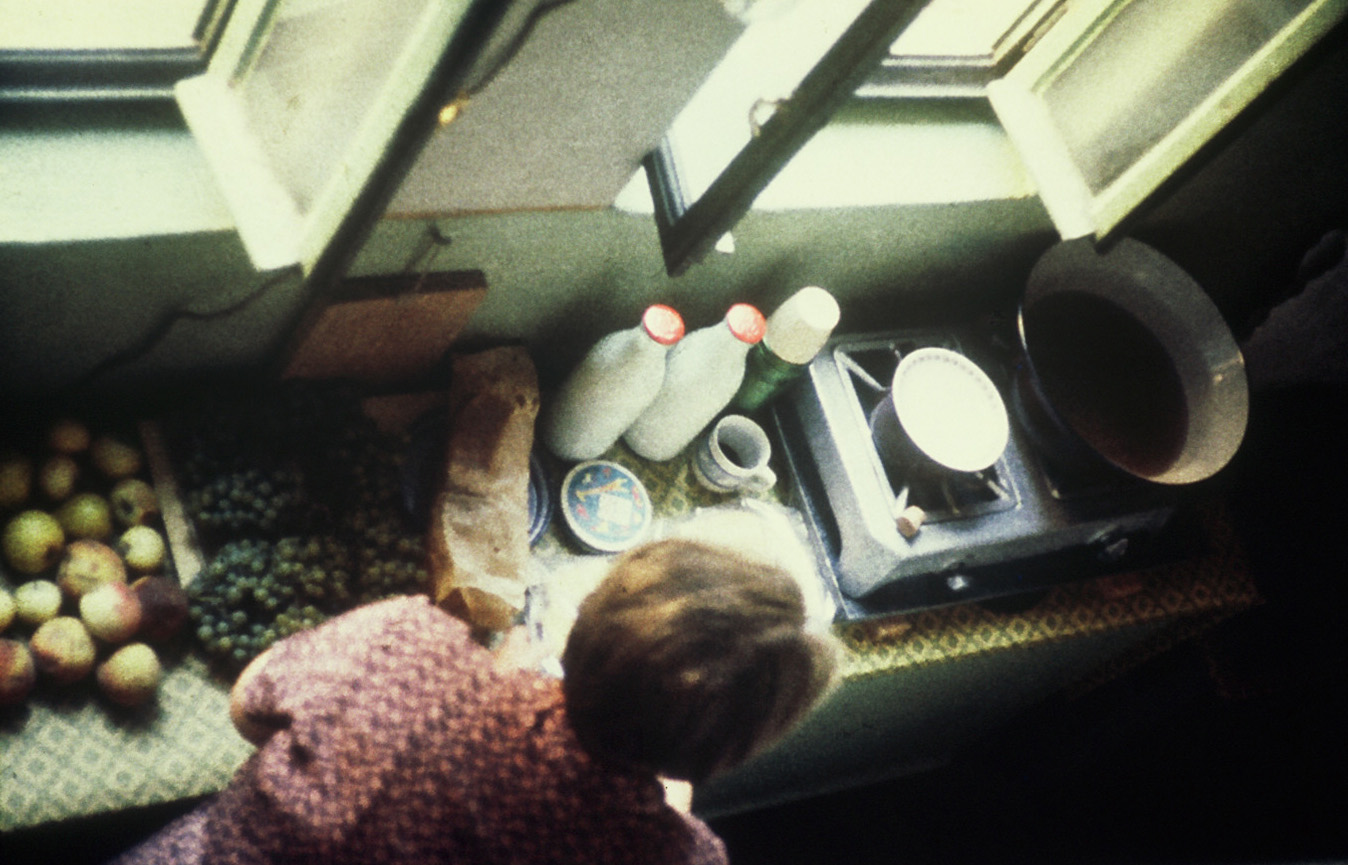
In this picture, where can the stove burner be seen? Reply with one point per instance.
(1020, 525)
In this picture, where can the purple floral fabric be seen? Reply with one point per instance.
(396, 740)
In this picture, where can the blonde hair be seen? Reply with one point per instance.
(688, 658)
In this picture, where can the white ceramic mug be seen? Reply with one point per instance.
(733, 457)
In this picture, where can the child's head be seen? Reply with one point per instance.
(688, 658)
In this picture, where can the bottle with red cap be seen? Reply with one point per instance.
(701, 377)
(612, 384)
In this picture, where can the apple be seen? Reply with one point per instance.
(88, 564)
(68, 436)
(142, 548)
(133, 502)
(63, 649)
(18, 674)
(8, 608)
(86, 515)
(131, 675)
(16, 479)
(37, 601)
(33, 541)
(163, 607)
(114, 457)
(111, 612)
(57, 477)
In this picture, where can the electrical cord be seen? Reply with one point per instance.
(161, 327)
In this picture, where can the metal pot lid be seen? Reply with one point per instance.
(950, 409)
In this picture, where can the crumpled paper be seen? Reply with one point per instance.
(478, 543)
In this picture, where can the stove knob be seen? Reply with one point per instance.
(909, 521)
(1110, 547)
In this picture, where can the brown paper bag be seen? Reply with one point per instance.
(478, 546)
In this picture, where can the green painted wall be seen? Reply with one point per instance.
(139, 312)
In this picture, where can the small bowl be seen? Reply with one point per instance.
(540, 499)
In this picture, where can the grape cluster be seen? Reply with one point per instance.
(254, 592)
(301, 495)
(248, 500)
(271, 464)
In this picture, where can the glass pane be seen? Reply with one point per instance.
(960, 28)
(85, 25)
(312, 85)
(954, 48)
(1147, 70)
(764, 67)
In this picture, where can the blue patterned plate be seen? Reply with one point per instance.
(605, 505)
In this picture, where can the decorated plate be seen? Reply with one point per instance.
(605, 506)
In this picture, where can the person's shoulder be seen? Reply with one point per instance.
(397, 607)
(403, 614)
(418, 611)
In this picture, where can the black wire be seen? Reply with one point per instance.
(152, 336)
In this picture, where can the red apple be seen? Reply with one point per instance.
(111, 612)
(17, 672)
(63, 649)
(163, 607)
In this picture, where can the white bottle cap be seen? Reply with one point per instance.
(802, 324)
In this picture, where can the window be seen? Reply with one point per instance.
(304, 119)
(74, 49)
(311, 111)
(1104, 100)
(1120, 95)
(954, 48)
(777, 86)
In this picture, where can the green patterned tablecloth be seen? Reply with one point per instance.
(1192, 593)
(72, 755)
(68, 754)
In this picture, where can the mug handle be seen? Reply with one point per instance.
(762, 479)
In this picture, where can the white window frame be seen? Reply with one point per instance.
(690, 227)
(932, 75)
(1077, 211)
(279, 227)
(63, 73)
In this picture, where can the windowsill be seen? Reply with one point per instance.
(73, 177)
(90, 172)
(878, 154)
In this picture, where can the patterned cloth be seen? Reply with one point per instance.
(397, 740)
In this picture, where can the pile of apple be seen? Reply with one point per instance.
(83, 589)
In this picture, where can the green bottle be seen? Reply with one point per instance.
(796, 332)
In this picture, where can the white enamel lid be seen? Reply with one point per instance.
(950, 409)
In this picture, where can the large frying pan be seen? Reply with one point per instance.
(1129, 364)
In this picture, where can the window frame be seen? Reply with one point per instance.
(1076, 211)
(78, 74)
(689, 230)
(913, 76)
(428, 68)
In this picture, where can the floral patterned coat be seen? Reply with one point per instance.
(396, 739)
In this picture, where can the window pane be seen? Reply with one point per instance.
(960, 28)
(85, 25)
(954, 48)
(1147, 70)
(312, 85)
